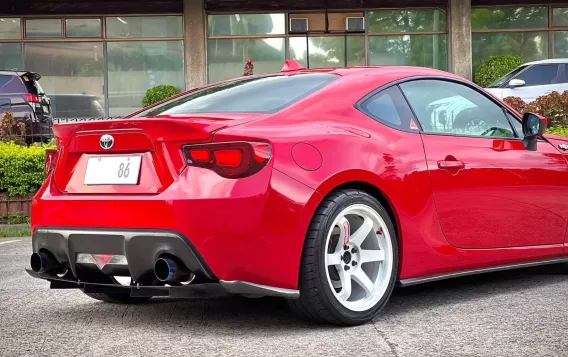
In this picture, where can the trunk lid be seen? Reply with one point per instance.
(146, 150)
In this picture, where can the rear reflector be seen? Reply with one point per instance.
(230, 160)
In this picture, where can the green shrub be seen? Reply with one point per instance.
(558, 130)
(158, 93)
(22, 169)
(494, 68)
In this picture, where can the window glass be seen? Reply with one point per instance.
(248, 95)
(247, 24)
(11, 84)
(83, 28)
(71, 76)
(560, 17)
(43, 28)
(530, 46)
(415, 50)
(385, 21)
(389, 107)
(450, 108)
(506, 78)
(326, 52)
(10, 28)
(135, 67)
(516, 124)
(496, 18)
(226, 58)
(144, 27)
(542, 75)
(11, 56)
(560, 44)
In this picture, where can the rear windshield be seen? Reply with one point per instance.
(11, 85)
(250, 95)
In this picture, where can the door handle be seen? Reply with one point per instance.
(453, 164)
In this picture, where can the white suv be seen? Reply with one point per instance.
(531, 80)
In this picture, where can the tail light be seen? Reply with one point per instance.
(32, 98)
(230, 160)
(50, 161)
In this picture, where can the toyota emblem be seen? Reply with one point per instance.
(107, 142)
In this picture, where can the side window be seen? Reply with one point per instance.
(542, 74)
(517, 124)
(390, 108)
(11, 85)
(444, 107)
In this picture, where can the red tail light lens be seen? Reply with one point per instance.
(231, 160)
(32, 98)
(50, 161)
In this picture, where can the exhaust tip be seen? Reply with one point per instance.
(38, 262)
(165, 269)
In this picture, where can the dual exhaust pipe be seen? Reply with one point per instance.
(165, 269)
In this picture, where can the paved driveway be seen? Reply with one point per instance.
(521, 313)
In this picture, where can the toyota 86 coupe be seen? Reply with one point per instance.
(326, 187)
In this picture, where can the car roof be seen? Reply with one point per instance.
(547, 61)
(33, 75)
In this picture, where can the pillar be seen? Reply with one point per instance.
(195, 43)
(460, 38)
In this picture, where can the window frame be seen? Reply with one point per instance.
(503, 107)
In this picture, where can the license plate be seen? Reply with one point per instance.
(113, 170)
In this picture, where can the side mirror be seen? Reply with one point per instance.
(533, 126)
(514, 83)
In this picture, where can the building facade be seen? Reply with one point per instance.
(113, 51)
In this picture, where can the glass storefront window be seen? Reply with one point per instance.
(83, 28)
(328, 52)
(144, 27)
(560, 44)
(498, 18)
(247, 24)
(560, 17)
(530, 46)
(135, 67)
(71, 75)
(409, 50)
(43, 28)
(390, 21)
(10, 28)
(226, 58)
(10, 56)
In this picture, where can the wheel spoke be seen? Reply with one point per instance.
(372, 256)
(334, 259)
(345, 278)
(363, 280)
(361, 234)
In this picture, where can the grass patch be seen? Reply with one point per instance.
(15, 218)
(16, 233)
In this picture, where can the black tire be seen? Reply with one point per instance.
(118, 298)
(317, 302)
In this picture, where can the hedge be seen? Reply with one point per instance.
(22, 168)
(159, 93)
(554, 107)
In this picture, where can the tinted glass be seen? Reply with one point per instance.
(135, 67)
(416, 50)
(450, 108)
(11, 56)
(530, 46)
(389, 107)
(250, 95)
(83, 28)
(542, 75)
(560, 44)
(509, 18)
(406, 21)
(506, 78)
(560, 17)
(328, 52)
(10, 28)
(226, 58)
(144, 27)
(247, 24)
(11, 84)
(43, 28)
(69, 70)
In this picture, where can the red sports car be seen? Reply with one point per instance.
(325, 187)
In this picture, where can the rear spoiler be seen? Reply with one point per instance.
(30, 75)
